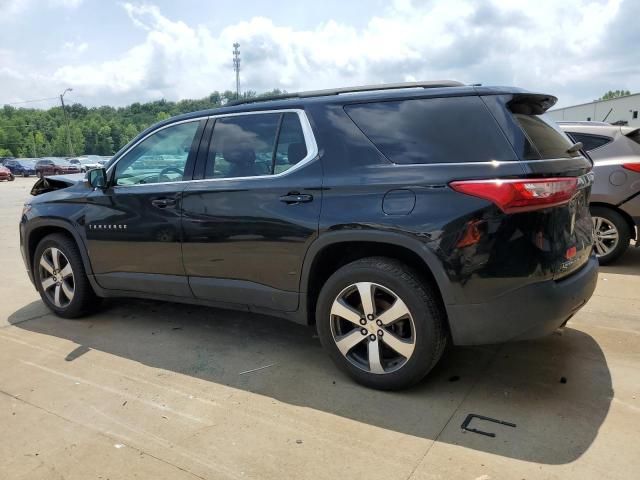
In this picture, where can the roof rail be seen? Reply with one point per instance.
(360, 88)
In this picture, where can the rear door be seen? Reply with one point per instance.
(133, 228)
(249, 221)
(566, 230)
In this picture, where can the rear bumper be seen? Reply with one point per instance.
(529, 312)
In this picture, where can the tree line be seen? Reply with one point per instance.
(31, 132)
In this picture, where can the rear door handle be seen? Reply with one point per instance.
(291, 198)
(163, 202)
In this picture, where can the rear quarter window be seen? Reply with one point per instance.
(590, 142)
(545, 139)
(434, 130)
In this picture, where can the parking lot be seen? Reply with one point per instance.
(152, 390)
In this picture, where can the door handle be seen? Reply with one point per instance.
(163, 202)
(294, 197)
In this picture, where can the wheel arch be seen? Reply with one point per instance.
(39, 230)
(333, 250)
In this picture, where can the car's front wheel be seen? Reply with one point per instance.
(381, 323)
(12, 178)
(60, 277)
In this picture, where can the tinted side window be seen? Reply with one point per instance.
(291, 145)
(547, 139)
(161, 157)
(435, 130)
(590, 142)
(242, 146)
(255, 145)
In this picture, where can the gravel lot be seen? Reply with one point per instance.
(156, 390)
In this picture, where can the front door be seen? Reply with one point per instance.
(133, 228)
(248, 223)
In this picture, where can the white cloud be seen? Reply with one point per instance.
(11, 8)
(556, 47)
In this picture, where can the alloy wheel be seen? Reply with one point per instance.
(372, 328)
(56, 277)
(606, 236)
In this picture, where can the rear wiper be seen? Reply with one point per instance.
(575, 148)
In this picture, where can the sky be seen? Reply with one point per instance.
(119, 52)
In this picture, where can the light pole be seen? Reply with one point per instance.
(66, 119)
(236, 67)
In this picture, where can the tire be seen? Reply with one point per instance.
(11, 178)
(605, 220)
(56, 172)
(83, 298)
(424, 323)
(39, 174)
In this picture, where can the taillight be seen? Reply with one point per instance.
(634, 167)
(520, 195)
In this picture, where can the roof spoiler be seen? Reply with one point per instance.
(531, 103)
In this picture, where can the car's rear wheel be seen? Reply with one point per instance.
(611, 234)
(60, 277)
(381, 323)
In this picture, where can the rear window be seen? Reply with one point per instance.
(434, 130)
(546, 139)
(590, 142)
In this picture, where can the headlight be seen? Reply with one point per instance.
(26, 208)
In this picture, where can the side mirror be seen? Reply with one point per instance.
(96, 178)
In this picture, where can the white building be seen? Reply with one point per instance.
(610, 111)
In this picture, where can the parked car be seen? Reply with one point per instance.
(86, 163)
(54, 166)
(5, 174)
(615, 197)
(373, 213)
(21, 166)
(4, 159)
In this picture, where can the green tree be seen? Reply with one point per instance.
(94, 130)
(105, 142)
(614, 94)
(59, 143)
(162, 116)
(130, 132)
(42, 146)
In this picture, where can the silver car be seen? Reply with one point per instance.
(615, 197)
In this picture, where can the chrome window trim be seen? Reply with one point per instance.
(495, 163)
(307, 132)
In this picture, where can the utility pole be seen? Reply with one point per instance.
(66, 118)
(236, 67)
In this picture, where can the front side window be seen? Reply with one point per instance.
(255, 145)
(161, 157)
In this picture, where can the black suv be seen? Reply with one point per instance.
(396, 218)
